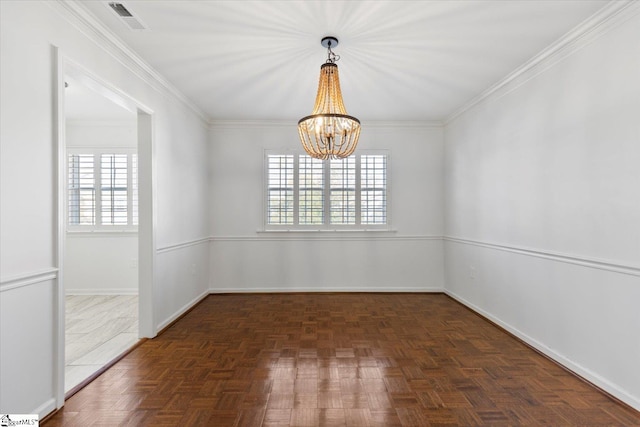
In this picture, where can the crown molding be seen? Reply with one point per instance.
(77, 14)
(608, 17)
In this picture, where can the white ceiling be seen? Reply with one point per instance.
(401, 60)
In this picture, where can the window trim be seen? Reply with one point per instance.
(98, 227)
(327, 226)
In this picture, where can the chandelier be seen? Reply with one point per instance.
(329, 132)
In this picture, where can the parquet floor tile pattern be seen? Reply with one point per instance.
(337, 360)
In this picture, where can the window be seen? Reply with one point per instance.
(102, 190)
(307, 193)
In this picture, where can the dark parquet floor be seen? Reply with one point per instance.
(337, 360)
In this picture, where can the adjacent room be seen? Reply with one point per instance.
(100, 238)
(202, 224)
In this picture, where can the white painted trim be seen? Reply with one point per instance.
(611, 15)
(322, 235)
(146, 184)
(583, 261)
(301, 235)
(342, 289)
(85, 22)
(182, 310)
(581, 371)
(182, 245)
(45, 409)
(103, 291)
(28, 279)
(147, 222)
(60, 220)
(88, 78)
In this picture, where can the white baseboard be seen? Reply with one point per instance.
(387, 289)
(577, 369)
(45, 409)
(102, 291)
(181, 311)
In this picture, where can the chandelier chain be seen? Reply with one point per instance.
(332, 58)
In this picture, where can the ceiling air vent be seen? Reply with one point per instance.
(125, 15)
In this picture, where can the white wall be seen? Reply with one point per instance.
(406, 259)
(542, 184)
(102, 133)
(101, 264)
(106, 262)
(29, 283)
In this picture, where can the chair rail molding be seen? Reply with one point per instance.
(182, 245)
(601, 264)
(27, 279)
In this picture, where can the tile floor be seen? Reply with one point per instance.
(98, 328)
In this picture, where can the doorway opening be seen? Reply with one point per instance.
(105, 226)
(101, 238)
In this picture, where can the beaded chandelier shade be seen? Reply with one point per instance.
(329, 132)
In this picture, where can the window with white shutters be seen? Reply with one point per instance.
(280, 189)
(102, 190)
(310, 190)
(307, 193)
(82, 191)
(373, 189)
(342, 178)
